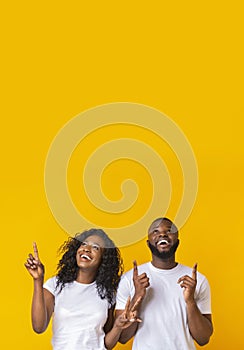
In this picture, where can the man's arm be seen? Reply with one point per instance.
(200, 325)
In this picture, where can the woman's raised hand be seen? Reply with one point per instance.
(34, 265)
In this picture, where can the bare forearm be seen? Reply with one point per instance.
(199, 325)
(128, 333)
(112, 337)
(38, 311)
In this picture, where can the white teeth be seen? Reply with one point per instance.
(162, 241)
(85, 256)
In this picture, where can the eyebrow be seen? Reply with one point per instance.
(157, 229)
(91, 243)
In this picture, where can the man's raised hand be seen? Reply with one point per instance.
(189, 285)
(141, 282)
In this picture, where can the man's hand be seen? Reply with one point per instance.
(189, 285)
(34, 265)
(141, 282)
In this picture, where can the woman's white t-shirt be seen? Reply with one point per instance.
(79, 316)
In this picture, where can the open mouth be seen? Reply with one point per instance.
(84, 256)
(162, 242)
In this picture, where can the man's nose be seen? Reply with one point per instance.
(164, 234)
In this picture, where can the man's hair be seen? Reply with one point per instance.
(109, 272)
(157, 222)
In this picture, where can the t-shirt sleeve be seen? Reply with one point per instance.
(123, 292)
(203, 298)
(50, 285)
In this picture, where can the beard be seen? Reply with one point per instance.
(163, 255)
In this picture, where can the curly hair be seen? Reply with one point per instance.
(109, 271)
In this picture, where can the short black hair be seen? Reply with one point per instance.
(157, 222)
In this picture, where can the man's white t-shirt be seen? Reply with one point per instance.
(79, 316)
(163, 312)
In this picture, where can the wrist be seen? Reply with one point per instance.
(191, 303)
(139, 295)
(39, 280)
(117, 328)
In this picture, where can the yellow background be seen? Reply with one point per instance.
(182, 58)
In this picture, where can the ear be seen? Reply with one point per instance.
(147, 242)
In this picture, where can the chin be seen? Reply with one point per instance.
(164, 254)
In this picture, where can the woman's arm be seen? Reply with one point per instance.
(141, 283)
(42, 307)
(127, 317)
(112, 332)
(42, 300)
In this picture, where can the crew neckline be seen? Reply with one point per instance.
(165, 271)
(84, 284)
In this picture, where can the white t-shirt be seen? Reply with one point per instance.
(79, 316)
(163, 312)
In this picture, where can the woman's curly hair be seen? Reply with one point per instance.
(109, 271)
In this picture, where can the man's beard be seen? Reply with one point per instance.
(163, 255)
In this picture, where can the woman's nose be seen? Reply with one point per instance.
(87, 248)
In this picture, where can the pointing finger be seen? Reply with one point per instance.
(194, 272)
(135, 270)
(36, 256)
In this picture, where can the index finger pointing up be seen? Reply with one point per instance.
(135, 270)
(194, 272)
(36, 256)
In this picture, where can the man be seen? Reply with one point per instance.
(174, 300)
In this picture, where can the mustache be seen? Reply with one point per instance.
(164, 255)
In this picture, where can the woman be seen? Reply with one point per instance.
(81, 296)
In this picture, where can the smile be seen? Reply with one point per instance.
(84, 256)
(162, 242)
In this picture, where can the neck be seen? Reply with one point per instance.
(85, 277)
(165, 264)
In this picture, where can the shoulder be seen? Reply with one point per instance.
(188, 270)
(202, 280)
(51, 284)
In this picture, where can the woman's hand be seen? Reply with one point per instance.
(128, 316)
(34, 265)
